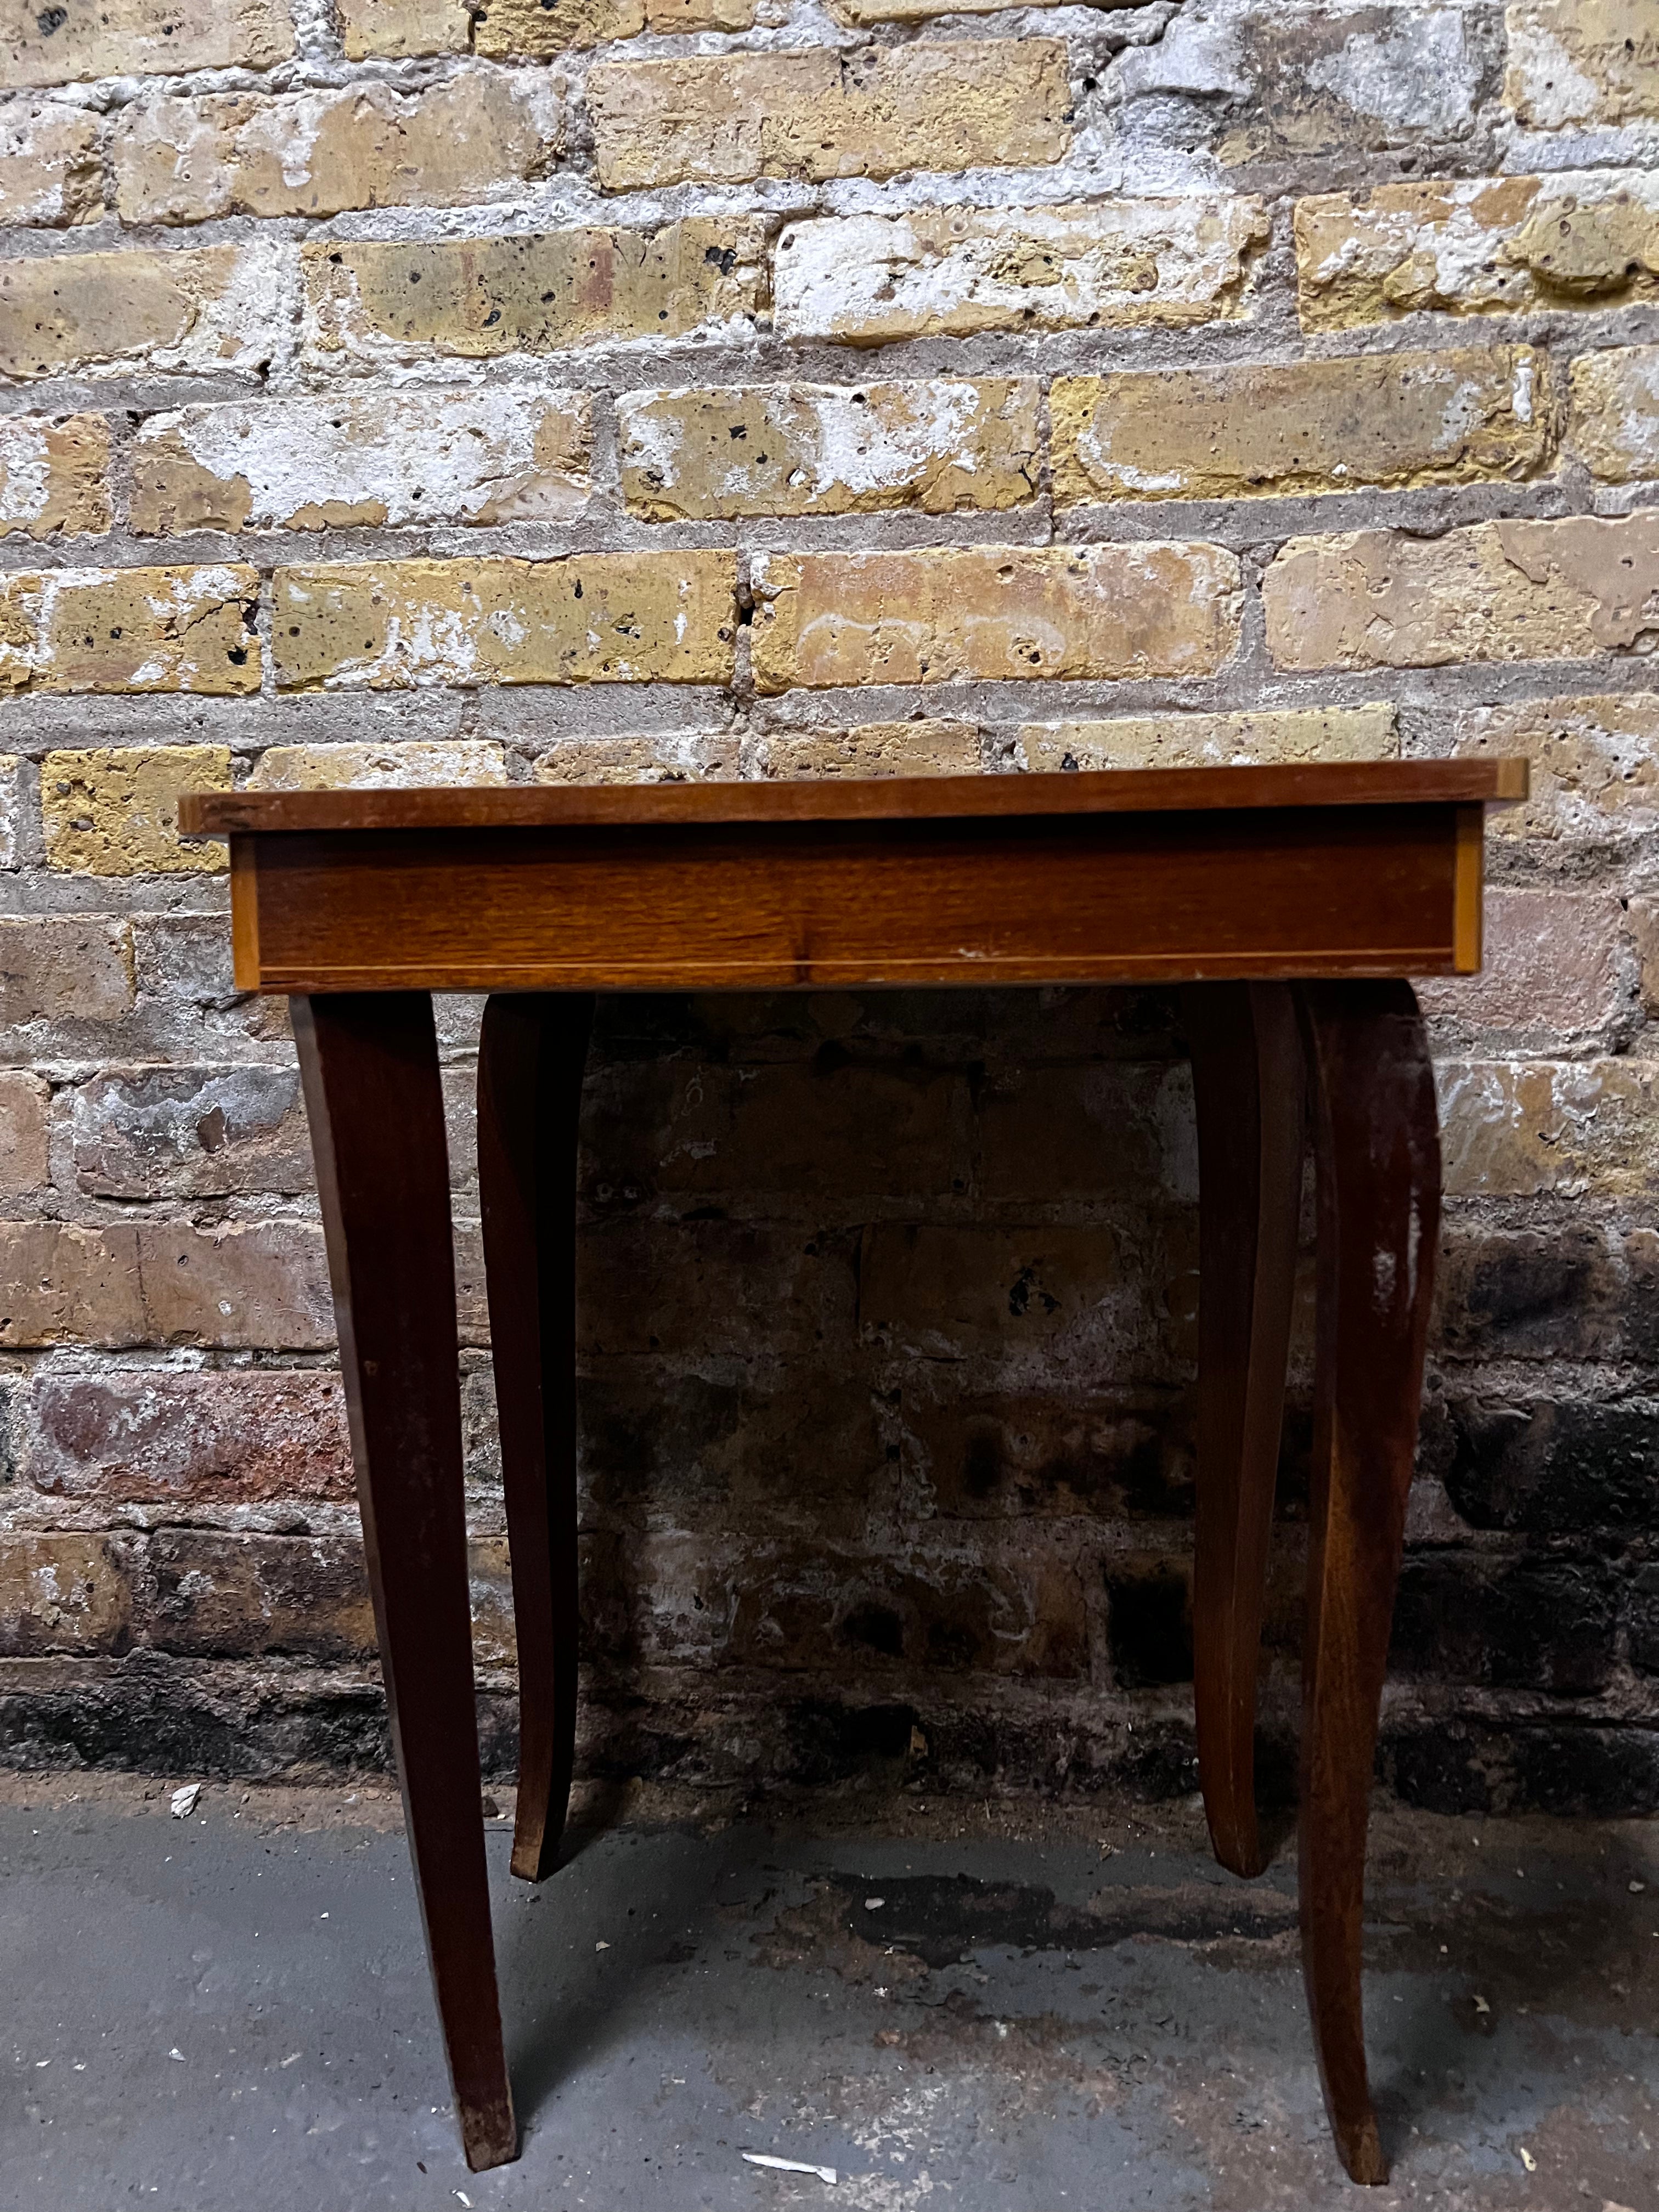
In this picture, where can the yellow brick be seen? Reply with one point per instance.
(1262, 738)
(951, 271)
(1614, 426)
(81, 38)
(865, 13)
(1308, 426)
(829, 449)
(873, 748)
(475, 137)
(393, 27)
(526, 26)
(500, 454)
(1500, 590)
(1582, 61)
(213, 308)
(954, 614)
(539, 30)
(50, 169)
(54, 475)
(1477, 246)
(411, 767)
(818, 114)
(113, 810)
(130, 629)
(677, 756)
(480, 297)
(1594, 764)
(1570, 1129)
(700, 15)
(586, 618)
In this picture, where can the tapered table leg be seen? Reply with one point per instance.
(1377, 1139)
(370, 1068)
(530, 1080)
(1247, 1077)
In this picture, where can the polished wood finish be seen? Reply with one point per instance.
(1128, 898)
(1248, 1082)
(1141, 875)
(370, 1070)
(885, 798)
(1237, 883)
(1377, 1143)
(531, 1059)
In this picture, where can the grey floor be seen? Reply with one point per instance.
(1013, 2011)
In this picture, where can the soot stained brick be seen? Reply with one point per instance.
(1537, 1625)
(1151, 1627)
(1547, 1464)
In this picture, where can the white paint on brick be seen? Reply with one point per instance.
(413, 767)
(872, 277)
(1543, 80)
(1418, 74)
(25, 470)
(438, 457)
(1467, 249)
(847, 444)
(10, 807)
(49, 167)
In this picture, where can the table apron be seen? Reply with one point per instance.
(1336, 892)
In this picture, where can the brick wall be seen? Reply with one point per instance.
(618, 388)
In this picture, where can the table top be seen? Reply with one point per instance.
(1498, 781)
(1141, 875)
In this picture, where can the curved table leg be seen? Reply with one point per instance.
(530, 1083)
(1250, 1084)
(1377, 1142)
(370, 1067)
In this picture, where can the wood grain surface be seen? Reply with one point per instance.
(889, 799)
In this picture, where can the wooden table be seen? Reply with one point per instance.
(1291, 904)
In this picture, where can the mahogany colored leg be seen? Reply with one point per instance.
(1249, 1079)
(1377, 1142)
(530, 1083)
(370, 1068)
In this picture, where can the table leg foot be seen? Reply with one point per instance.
(1376, 1140)
(369, 1064)
(531, 1059)
(1250, 1084)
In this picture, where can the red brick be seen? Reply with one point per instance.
(761, 1291)
(24, 1106)
(64, 1284)
(148, 1435)
(63, 1593)
(1120, 1128)
(211, 1593)
(1550, 968)
(63, 968)
(1064, 1296)
(190, 1133)
(260, 1285)
(1019, 1611)
(804, 1128)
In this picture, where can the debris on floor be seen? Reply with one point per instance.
(789, 2165)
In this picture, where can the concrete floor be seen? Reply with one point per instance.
(231, 2012)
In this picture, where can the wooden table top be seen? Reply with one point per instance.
(1136, 875)
(1498, 781)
